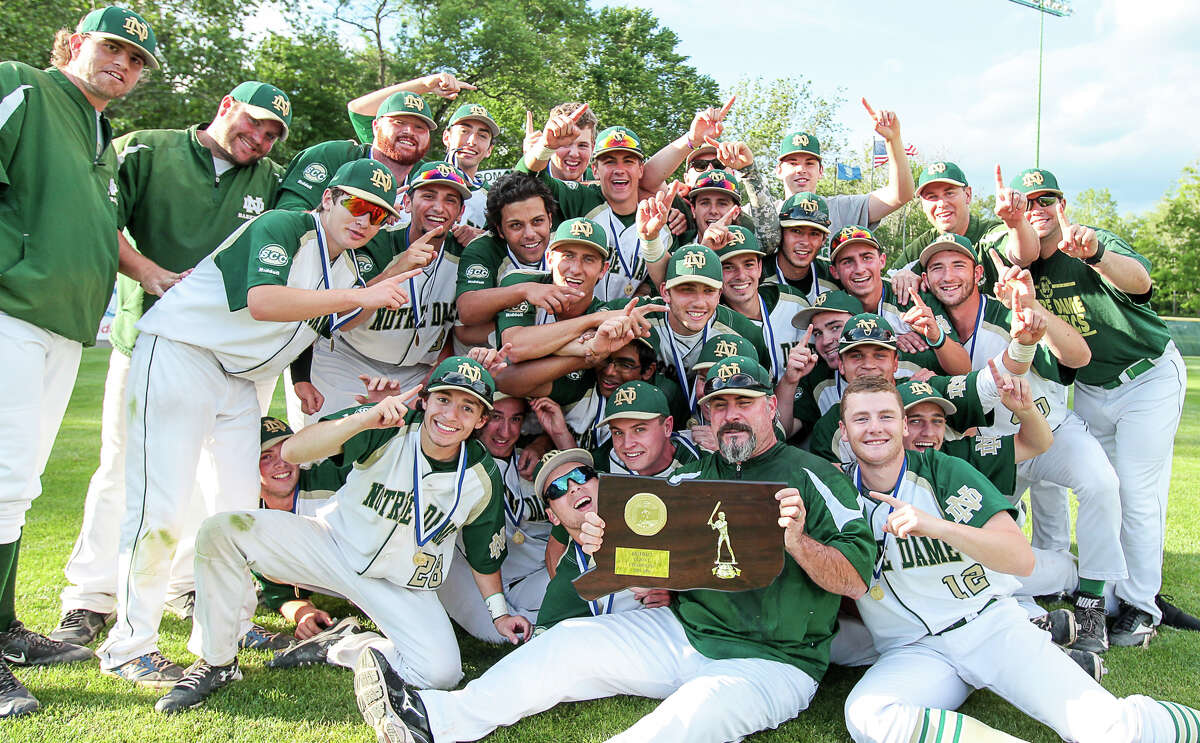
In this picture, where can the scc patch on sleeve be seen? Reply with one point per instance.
(316, 173)
(273, 255)
(477, 271)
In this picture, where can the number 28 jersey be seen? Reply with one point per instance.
(928, 586)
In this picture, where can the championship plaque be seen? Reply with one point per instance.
(717, 534)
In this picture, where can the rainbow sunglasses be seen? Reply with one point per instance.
(853, 232)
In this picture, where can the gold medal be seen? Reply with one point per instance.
(418, 558)
(877, 592)
(519, 538)
(629, 290)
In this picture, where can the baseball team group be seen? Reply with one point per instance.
(464, 359)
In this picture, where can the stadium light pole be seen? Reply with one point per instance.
(1057, 8)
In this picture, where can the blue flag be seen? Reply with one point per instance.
(849, 172)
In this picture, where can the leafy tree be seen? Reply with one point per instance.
(1168, 237)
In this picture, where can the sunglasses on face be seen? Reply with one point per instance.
(462, 380)
(1045, 200)
(704, 163)
(736, 381)
(357, 207)
(558, 486)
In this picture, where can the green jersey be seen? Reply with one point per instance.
(178, 208)
(1120, 329)
(983, 234)
(562, 600)
(928, 586)
(678, 353)
(818, 280)
(58, 204)
(525, 314)
(793, 619)
(485, 261)
(995, 457)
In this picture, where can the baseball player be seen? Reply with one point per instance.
(238, 318)
(817, 388)
(385, 541)
(181, 191)
(403, 344)
(1131, 394)
(58, 271)
(469, 138)
(569, 496)
(804, 227)
(940, 609)
(1076, 460)
(722, 663)
(573, 161)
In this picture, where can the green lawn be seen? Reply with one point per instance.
(316, 704)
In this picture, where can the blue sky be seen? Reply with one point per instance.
(1120, 102)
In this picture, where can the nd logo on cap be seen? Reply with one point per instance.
(625, 396)
(445, 171)
(736, 238)
(469, 371)
(725, 348)
(937, 168)
(381, 179)
(282, 105)
(581, 229)
(273, 425)
(412, 101)
(800, 140)
(728, 370)
(866, 324)
(716, 176)
(921, 388)
(1032, 178)
(693, 259)
(134, 27)
(808, 205)
(477, 110)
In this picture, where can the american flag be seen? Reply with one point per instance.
(879, 155)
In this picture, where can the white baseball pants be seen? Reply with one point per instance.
(460, 597)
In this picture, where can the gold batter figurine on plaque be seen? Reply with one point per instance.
(724, 570)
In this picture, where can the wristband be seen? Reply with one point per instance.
(1095, 259)
(654, 250)
(544, 154)
(941, 341)
(1021, 353)
(497, 606)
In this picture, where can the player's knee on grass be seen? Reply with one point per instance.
(217, 533)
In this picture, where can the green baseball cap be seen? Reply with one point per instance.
(265, 101)
(271, 431)
(474, 112)
(551, 461)
(854, 234)
(123, 25)
(805, 209)
(723, 346)
(581, 231)
(743, 241)
(915, 393)
(466, 374)
(716, 181)
(696, 263)
(948, 241)
(403, 103)
(368, 180)
(736, 375)
(1035, 180)
(440, 174)
(941, 172)
(864, 329)
(638, 400)
(830, 301)
(799, 142)
(618, 139)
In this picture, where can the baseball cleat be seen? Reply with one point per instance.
(152, 670)
(23, 647)
(390, 706)
(182, 606)
(1173, 616)
(1091, 663)
(1061, 625)
(314, 650)
(198, 683)
(80, 626)
(15, 699)
(1133, 628)
(260, 638)
(1092, 634)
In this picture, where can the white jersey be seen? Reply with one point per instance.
(475, 209)
(778, 307)
(396, 518)
(277, 248)
(583, 419)
(627, 269)
(417, 332)
(923, 586)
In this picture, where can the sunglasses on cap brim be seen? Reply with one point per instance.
(462, 380)
(797, 213)
(376, 214)
(741, 381)
(875, 335)
(558, 486)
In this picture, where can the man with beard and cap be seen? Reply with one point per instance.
(722, 662)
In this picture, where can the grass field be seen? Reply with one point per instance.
(317, 704)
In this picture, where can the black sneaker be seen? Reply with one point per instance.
(390, 706)
(198, 682)
(1089, 616)
(80, 626)
(314, 650)
(1173, 616)
(15, 699)
(1092, 664)
(1133, 628)
(23, 647)
(182, 606)
(260, 638)
(1061, 625)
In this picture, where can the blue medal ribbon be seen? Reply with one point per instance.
(598, 606)
(627, 269)
(418, 516)
(858, 483)
(677, 360)
(769, 337)
(336, 320)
